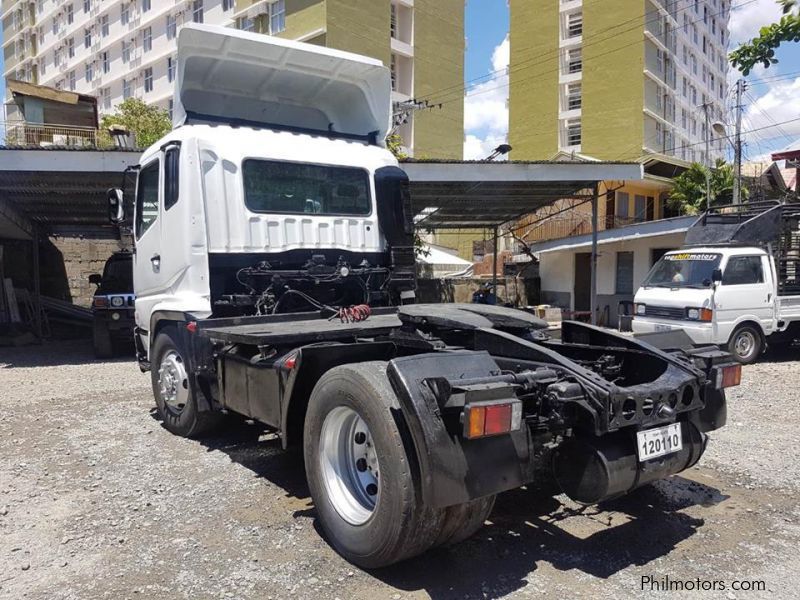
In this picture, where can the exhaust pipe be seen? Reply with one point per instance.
(593, 469)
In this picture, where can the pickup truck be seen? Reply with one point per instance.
(736, 282)
(274, 279)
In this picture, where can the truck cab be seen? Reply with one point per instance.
(711, 293)
(736, 282)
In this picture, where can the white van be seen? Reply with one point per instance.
(739, 296)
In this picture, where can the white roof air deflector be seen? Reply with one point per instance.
(227, 75)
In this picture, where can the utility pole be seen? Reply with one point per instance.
(737, 145)
(706, 107)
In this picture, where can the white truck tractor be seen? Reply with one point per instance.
(274, 277)
(736, 282)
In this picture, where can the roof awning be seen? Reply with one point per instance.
(46, 93)
(485, 195)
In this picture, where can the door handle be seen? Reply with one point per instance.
(155, 260)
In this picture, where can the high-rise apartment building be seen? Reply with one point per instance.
(116, 49)
(617, 80)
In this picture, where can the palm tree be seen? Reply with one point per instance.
(688, 195)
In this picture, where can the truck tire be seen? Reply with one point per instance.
(101, 340)
(175, 401)
(746, 344)
(371, 512)
(463, 520)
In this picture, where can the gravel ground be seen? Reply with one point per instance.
(97, 500)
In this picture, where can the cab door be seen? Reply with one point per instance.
(147, 276)
(746, 292)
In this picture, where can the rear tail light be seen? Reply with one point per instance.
(729, 376)
(100, 302)
(492, 418)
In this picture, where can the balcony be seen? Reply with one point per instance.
(35, 135)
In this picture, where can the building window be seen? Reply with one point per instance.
(89, 72)
(277, 17)
(624, 279)
(72, 81)
(170, 107)
(104, 60)
(574, 61)
(574, 132)
(246, 24)
(148, 79)
(145, 5)
(87, 38)
(228, 5)
(57, 57)
(197, 11)
(56, 25)
(393, 72)
(105, 94)
(125, 13)
(104, 25)
(126, 52)
(574, 25)
(126, 89)
(147, 39)
(172, 27)
(393, 21)
(87, 5)
(573, 96)
(70, 14)
(71, 47)
(170, 69)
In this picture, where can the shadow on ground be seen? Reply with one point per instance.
(525, 530)
(56, 354)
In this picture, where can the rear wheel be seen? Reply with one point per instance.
(746, 344)
(359, 468)
(175, 401)
(464, 520)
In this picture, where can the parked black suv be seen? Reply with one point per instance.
(113, 306)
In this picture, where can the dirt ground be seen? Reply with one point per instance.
(97, 500)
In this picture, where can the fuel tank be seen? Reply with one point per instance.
(592, 469)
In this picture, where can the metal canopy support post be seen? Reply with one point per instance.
(494, 265)
(37, 286)
(593, 289)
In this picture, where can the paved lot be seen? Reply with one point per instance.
(97, 500)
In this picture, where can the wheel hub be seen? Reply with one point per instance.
(349, 464)
(744, 344)
(172, 382)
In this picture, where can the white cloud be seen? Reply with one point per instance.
(486, 109)
(747, 20)
(776, 105)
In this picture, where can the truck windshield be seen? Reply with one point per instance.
(684, 269)
(301, 188)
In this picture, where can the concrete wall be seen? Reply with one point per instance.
(533, 75)
(557, 270)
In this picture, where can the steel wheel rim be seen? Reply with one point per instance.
(349, 465)
(173, 384)
(745, 344)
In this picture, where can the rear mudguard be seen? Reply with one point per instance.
(454, 470)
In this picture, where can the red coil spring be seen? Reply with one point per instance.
(354, 314)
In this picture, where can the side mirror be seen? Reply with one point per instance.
(96, 279)
(716, 276)
(116, 206)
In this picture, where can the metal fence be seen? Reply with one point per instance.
(34, 135)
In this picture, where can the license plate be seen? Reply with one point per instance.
(663, 328)
(653, 443)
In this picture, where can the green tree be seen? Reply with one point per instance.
(761, 49)
(688, 195)
(147, 123)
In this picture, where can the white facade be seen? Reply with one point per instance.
(112, 49)
(685, 68)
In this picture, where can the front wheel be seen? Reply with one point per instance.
(359, 469)
(175, 401)
(746, 344)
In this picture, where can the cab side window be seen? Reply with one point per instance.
(171, 161)
(147, 198)
(742, 270)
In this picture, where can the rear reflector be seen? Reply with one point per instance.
(100, 302)
(729, 376)
(491, 418)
